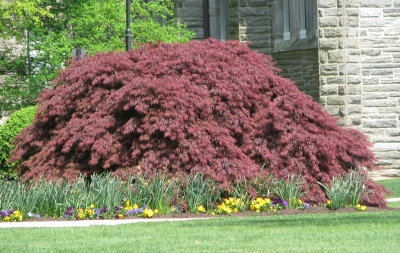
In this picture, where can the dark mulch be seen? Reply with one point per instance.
(311, 210)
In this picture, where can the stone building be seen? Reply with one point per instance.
(344, 53)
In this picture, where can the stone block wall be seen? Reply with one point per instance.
(360, 69)
(255, 24)
(190, 12)
(304, 70)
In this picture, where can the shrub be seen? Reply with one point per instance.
(208, 107)
(13, 126)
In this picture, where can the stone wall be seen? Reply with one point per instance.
(255, 24)
(191, 13)
(304, 70)
(359, 55)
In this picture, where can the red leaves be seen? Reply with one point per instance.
(210, 107)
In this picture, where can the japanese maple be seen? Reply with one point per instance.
(204, 107)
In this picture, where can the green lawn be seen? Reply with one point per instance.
(337, 232)
(393, 185)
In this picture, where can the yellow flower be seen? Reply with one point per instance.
(213, 213)
(135, 206)
(148, 213)
(127, 203)
(300, 202)
(92, 206)
(268, 200)
(328, 203)
(363, 208)
(201, 209)
(156, 211)
(120, 216)
(7, 218)
(235, 210)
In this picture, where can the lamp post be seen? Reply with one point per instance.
(128, 38)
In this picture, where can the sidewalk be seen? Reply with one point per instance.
(83, 223)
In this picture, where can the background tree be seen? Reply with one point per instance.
(209, 107)
(18, 15)
(96, 25)
(13, 126)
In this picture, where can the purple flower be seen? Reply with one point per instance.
(69, 212)
(4, 213)
(306, 205)
(117, 208)
(104, 209)
(285, 203)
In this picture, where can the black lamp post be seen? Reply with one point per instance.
(128, 38)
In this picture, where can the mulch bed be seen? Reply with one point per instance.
(311, 210)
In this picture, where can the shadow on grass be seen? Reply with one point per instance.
(327, 219)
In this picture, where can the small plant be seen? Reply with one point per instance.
(358, 189)
(279, 203)
(264, 185)
(261, 205)
(200, 191)
(346, 190)
(360, 207)
(201, 209)
(290, 190)
(11, 215)
(338, 193)
(162, 192)
(241, 191)
(229, 206)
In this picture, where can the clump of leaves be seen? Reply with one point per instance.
(13, 126)
(218, 109)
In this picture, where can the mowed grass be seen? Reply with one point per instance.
(334, 232)
(393, 185)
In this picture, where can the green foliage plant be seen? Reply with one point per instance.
(346, 190)
(338, 193)
(13, 126)
(97, 26)
(200, 191)
(290, 189)
(18, 15)
(358, 189)
(163, 192)
(240, 190)
(140, 193)
(264, 185)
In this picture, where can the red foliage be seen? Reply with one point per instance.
(210, 107)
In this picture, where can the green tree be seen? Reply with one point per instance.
(17, 15)
(13, 126)
(97, 26)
